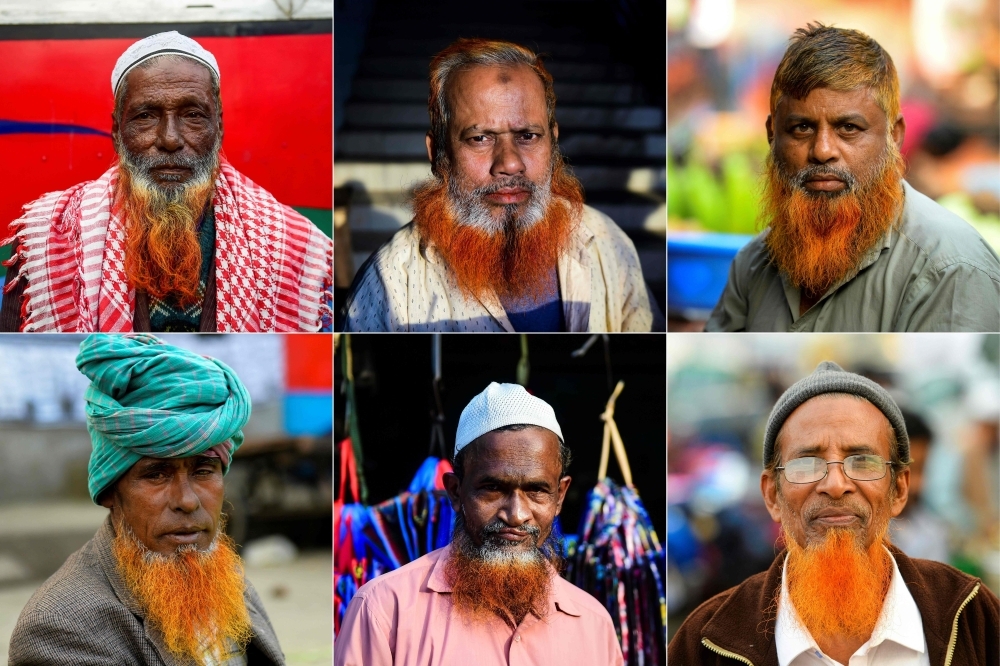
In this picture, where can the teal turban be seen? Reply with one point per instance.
(147, 398)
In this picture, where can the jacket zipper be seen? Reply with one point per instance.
(954, 627)
(725, 653)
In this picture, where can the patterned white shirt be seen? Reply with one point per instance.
(407, 287)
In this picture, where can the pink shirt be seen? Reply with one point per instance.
(406, 618)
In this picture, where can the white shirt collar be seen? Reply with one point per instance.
(899, 622)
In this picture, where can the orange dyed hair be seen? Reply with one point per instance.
(822, 56)
(467, 53)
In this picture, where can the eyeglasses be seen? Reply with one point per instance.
(861, 467)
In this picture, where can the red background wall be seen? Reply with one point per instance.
(277, 97)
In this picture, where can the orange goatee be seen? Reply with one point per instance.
(493, 581)
(162, 255)
(818, 239)
(193, 598)
(838, 586)
(514, 261)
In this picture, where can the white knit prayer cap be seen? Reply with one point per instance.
(164, 43)
(503, 405)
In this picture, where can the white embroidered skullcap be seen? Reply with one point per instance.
(503, 405)
(163, 43)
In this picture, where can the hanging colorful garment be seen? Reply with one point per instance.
(620, 561)
(618, 558)
(348, 520)
(374, 540)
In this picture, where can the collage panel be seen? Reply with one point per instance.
(131, 202)
(502, 173)
(469, 469)
(833, 498)
(833, 166)
(165, 500)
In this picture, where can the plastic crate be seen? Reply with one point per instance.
(698, 268)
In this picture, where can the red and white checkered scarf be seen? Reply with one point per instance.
(273, 268)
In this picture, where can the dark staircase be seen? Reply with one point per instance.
(610, 110)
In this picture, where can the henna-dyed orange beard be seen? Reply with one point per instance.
(515, 257)
(193, 598)
(817, 239)
(499, 580)
(838, 584)
(162, 255)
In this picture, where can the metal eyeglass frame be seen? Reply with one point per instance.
(826, 472)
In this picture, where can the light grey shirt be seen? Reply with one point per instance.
(931, 272)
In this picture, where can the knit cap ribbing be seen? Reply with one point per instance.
(828, 377)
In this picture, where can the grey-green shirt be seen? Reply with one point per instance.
(931, 272)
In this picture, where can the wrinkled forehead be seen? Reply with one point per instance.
(855, 99)
(531, 449)
(209, 456)
(169, 73)
(835, 422)
(491, 84)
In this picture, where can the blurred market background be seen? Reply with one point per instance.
(278, 490)
(721, 390)
(607, 59)
(275, 59)
(722, 55)
(397, 409)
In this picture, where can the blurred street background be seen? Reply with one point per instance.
(607, 60)
(721, 390)
(278, 490)
(722, 55)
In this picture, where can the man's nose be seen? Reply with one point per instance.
(168, 134)
(825, 147)
(515, 510)
(835, 483)
(183, 498)
(506, 157)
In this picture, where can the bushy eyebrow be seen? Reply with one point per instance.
(511, 483)
(852, 118)
(852, 449)
(145, 466)
(153, 465)
(476, 129)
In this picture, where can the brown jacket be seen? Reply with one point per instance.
(961, 619)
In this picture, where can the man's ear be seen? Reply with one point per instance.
(769, 128)
(429, 142)
(769, 489)
(899, 131)
(902, 492)
(563, 487)
(453, 486)
(108, 499)
(555, 132)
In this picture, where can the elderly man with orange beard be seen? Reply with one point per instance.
(850, 245)
(160, 584)
(493, 596)
(501, 239)
(836, 453)
(172, 237)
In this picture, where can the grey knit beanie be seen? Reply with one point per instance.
(828, 377)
